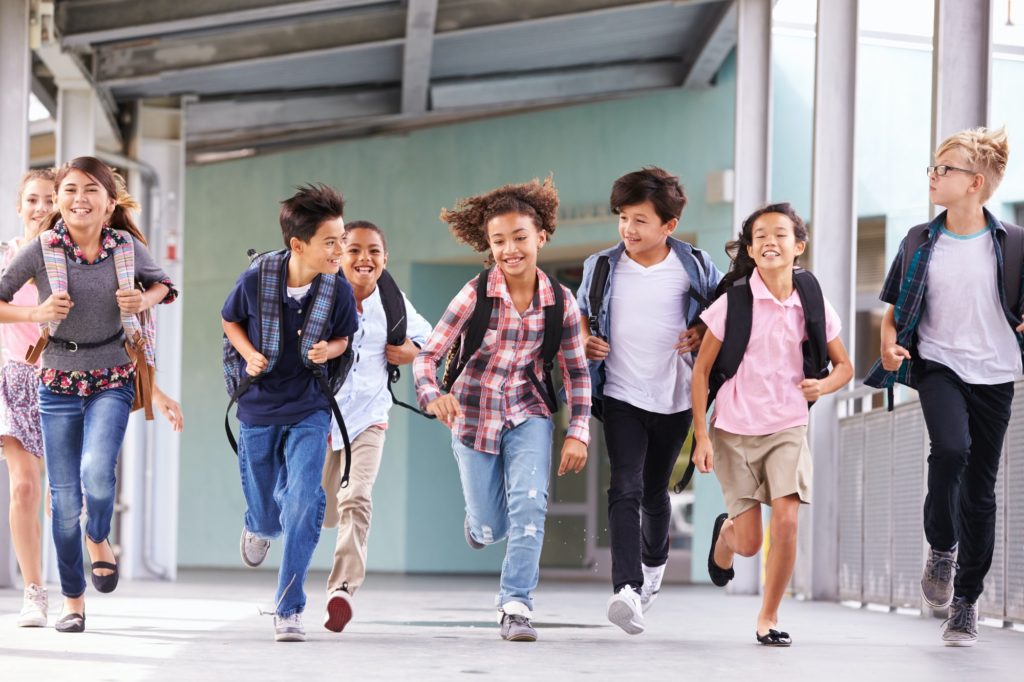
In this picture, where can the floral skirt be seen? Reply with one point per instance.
(19, 405)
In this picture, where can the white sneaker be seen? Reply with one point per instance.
(624, 610)
(289, 628)
(651, 586)
(33, 607)
(339, 610)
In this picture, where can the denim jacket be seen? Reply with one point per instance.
(703, 274)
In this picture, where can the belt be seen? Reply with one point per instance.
(74, 346)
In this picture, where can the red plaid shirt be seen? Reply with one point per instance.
(494, 390)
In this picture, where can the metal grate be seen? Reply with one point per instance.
(1014, 471)
(851, 508)
(877, 505)
(992, 601)
(909, 462)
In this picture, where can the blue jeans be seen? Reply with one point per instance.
(507, 497)
(82, 438)
(281, 466)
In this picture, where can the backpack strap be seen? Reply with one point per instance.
(915, 239)
(473, 334)
(397, 330)
(554, 315)
(56, 264)
(270, 271)
(595, 295)
(815, 348)
(1013, 261)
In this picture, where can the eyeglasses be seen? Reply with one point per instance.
(942, 170)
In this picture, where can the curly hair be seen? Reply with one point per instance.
(535, 199)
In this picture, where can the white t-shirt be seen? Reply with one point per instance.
(647, 312)
(963, 325)
(298, 293)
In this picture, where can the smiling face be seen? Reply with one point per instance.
(644, 233)
(83, 202)
(322, 253)
(774, 245)
(34, 204)
(515, 242)
(364, 257)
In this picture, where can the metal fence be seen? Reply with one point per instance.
(883, 466)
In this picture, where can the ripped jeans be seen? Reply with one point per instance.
(507, 497)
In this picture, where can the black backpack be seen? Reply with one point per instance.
(739, 318)
(473, 337)
(397, 325)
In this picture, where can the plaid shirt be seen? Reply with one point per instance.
(494, 390)
(907, 296)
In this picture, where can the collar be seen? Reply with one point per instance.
(760, 291)
(935, 226)
(498, 288)
(110, 239)
(285, 298)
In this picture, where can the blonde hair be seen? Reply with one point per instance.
(985, 151)
(34, 174)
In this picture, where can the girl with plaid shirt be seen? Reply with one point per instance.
(501, 425)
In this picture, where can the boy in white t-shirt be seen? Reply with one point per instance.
(953, 331)
(640, 367)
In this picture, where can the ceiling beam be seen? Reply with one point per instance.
(718, 33)
(418, 54)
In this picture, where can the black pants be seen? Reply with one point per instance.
(642, 447)
(966, 425)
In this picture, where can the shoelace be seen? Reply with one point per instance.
(518, 620)
(941, 569)
(962, 617)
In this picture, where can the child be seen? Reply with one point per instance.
(285, 417)
(365, 401)
(498, 411)
(952, 331)
(757, 444)
(87, 380)
(640, 371)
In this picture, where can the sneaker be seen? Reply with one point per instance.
(33, 608)
(339, 610)
(651, 586)
(254, 549)
(625, 610)
(937, 581)
(470, 540)
(962, 624)
(514, 617)
(289, 628)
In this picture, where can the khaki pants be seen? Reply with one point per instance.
(351, 508)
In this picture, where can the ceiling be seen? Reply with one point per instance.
(262, 74)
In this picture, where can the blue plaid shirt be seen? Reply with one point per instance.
(907, 296)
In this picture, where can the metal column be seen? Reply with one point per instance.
(961, 66)
(834, 229)
(76, 121)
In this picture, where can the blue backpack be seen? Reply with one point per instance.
(330, 376)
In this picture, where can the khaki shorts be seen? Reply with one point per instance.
(755, 470)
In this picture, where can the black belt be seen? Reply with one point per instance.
(74, 346)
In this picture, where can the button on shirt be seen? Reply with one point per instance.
(364, 398)
(764, 397)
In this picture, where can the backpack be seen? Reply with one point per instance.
(595, 296)
(329, 376)
(473, 337)
(139, 329)
(738, 321)
(397, 329)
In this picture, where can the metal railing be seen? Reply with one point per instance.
(883, 476)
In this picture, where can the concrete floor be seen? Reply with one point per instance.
(207, 627)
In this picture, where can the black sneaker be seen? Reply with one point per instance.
(719, 576)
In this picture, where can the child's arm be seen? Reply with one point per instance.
(893, 354)
(255, 363)
(703, 454)
(322, 351)
(424, 367)
(576, 379)
(842, 372)
(134, 301)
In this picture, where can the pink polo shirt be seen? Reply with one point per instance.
(765, 397)
(17, 337)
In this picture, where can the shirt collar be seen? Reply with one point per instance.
(110, 239)
(498, 288)
(760, 291)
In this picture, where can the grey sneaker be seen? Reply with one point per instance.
(651, 586)
(625, 610)
(937, 581)
(289, 628)
(962, 624)
(470, 540)
(254, 548)
(515, 622)
(33, 607)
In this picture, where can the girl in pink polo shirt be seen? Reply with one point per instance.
(757, 442)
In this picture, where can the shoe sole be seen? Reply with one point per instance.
(961, 643)
(621, 615)
(290, 637)
(937, 606)
(339, 613)
(37, 623)
(521, 638)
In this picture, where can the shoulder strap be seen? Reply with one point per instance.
(815, 348)
(269, 288)
(554, 315)
(738, 319)
(135, 328)
(915, 239)
(1013, 258)
(596, 294)
(394, 314)
(479, 322)
(56, 269)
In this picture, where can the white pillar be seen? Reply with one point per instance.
(834, 225)
(76, 121)
(961, 66)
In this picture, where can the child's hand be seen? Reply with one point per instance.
(255, 364)
(169, 408)
(318, 352)
(574, 456)
(54, 308)
(596, 348)
(811, 389)
(401, 355)
(445, 408)
(703, 455)
(1020, 328)
(689, 340)
(893, 357)
(129, 300)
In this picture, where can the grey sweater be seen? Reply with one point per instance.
(94, 315)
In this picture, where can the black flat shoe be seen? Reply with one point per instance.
(104, 583)
(73, 622)
(719, 576)
(774, 638)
